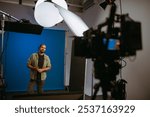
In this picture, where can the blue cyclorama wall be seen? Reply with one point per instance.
(17, 49)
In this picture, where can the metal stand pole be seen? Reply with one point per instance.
(9, 16)
(2, 87)
(2, 43)
(85, 77)
(85, 80)
(2, 81)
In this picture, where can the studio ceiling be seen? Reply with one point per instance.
(74, 5)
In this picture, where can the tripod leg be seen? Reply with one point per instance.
(96, 87)
(104, 91)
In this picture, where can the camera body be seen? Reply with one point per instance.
(121, 41)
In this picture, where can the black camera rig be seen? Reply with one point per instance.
(121, 41)
(106, 48)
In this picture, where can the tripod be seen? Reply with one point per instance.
(105, 71)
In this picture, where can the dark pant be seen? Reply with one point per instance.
(38, 83)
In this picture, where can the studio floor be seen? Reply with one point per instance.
(48, 95)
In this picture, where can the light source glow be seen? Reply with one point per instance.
(47, 15)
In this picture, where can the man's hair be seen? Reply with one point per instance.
(41, 45)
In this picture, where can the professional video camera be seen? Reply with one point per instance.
(119, 41)
(122, 39)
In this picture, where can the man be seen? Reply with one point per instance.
(38, 63)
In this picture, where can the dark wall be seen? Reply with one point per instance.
(77, 72)
(18, 11)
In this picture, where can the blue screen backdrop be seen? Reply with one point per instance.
(17, 49)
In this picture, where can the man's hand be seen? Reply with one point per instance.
(40, 70)
(43, 69)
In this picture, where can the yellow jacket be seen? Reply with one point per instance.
(33, 60)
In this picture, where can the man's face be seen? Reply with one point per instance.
(42, 49)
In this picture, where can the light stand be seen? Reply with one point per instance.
(2, 84)
(2, 81)
(2, 32)
(9, 16)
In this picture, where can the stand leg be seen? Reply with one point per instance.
(96, 87)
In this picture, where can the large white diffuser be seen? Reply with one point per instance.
(74, 22)
(48, 14)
